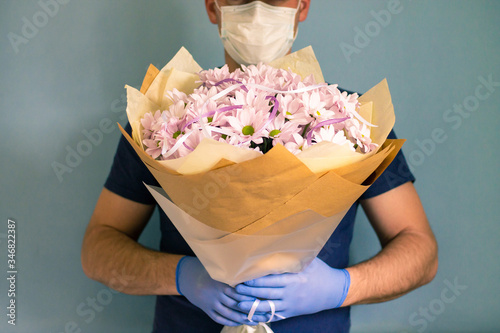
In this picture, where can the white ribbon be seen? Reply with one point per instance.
(255, 305)
(296, 91)
(214, 97)
(252, 310)
(221, 130)
(361, 119)
(273, 310)
(177, 145)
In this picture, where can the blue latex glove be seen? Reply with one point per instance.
(216, 299)
(318, 287)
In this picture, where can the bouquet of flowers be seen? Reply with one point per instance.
(259, 166)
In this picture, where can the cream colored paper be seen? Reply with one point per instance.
(302, 62)
(260, 328)
(179, 73)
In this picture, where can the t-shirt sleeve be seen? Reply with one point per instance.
(128, 174)
(396, 174)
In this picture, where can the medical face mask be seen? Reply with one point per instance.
(257, 32)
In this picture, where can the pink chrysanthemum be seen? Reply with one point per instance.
(253, 107)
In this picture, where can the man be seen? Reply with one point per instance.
(314, 300)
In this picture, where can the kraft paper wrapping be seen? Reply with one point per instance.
(288, 245)
(245, 214)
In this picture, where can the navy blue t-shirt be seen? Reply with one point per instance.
(176, 313)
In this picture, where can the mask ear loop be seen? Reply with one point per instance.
(297, 11)
(218, 7)
(298, 6)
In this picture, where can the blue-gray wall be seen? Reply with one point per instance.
(62, 72)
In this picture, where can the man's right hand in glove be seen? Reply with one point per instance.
(218, 300)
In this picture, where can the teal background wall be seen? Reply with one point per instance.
(62, 73)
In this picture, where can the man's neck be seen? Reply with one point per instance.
(233, 65)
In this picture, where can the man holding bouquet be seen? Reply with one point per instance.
(316, 299)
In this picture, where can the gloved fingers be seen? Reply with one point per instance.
(231, 292)
(233, 299)
(258, 318)
(263, 307)
(218, 318)
(223, 313)
(271, 316)
(261, 292)
(232, 302)
(273, 280)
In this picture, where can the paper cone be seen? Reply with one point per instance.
(285, 246)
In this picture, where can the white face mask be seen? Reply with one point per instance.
(257, 32)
